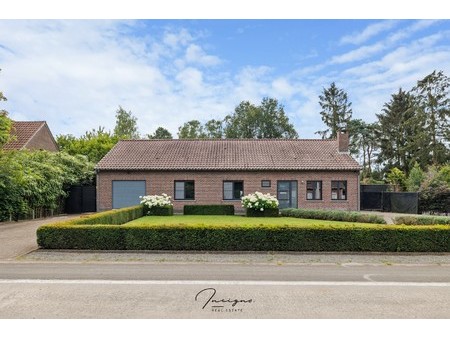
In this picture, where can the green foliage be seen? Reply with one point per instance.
(191, 130)
(38, 179)
(213, 209)
(5, 124)
(116, 217)
(213, 129)
(160, 134)
(244, 237)
(397, 178)
(422, 220)
(364, 139)
(265, 213)
(93, 144)
(333, 215)
(434, 193)
(159, 211)
(336, 111)
(415, 178)
(268, 120)
(126, 125)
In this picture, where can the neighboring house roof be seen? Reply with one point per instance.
(227, 154)
(26, 133)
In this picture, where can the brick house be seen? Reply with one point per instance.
(301, 173)
(32, 135)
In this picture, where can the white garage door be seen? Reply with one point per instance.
(126, 193)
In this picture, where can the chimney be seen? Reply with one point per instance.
(342, 141)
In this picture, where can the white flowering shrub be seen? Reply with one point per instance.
(259, 201)
(156, 200)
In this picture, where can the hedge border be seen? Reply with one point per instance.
(209, 209)
(265, 213)
(333, 215)
(422, 220)
(158, 211)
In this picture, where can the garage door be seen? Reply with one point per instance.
(126, 193)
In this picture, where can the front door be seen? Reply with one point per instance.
(287, 194)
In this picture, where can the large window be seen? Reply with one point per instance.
(314, 190)
(338, 190)
(184, 190)
(233, 190)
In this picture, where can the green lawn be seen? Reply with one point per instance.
(200, 220)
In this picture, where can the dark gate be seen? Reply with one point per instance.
(81, 199)
(376, 197)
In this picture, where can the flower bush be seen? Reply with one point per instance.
(259, 201)
(157, 205)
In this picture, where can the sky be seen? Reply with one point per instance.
(75, 73)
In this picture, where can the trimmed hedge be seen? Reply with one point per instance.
(213, 209)
(265, 213)
(158, 211)
(422, 220)
(243, 238)
(333, 215)
(116, 216)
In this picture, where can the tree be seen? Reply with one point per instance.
(126, 125)
(397, 178)
(336, 111)
(213, 129)
(433, 104)
(93, 144)
(160, 133)
(415, 178)
(268, 120)
(364, 139)
(396, 132)
(191, 130)
(5, 124)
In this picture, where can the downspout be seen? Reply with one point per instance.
(97, 199)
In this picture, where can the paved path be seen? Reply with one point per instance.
(18, 238)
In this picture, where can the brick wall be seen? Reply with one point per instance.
(209, 186)
(42, 140)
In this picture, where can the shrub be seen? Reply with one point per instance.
(244, 237)
(213, 209)
(259, 201)
(117, 216)
(333, 215)
(264, 213)
(422, 220)
(157, 205)
(158, 211)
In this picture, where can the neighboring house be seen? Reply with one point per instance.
(301, 173)
(33, 135)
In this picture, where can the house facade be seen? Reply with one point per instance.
(314, 174)
(31, 135)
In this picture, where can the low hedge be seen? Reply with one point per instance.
(265, 213)
(212, 209)
(336, 238)
(333, 215)
(421, 220)
(116, 216)
(158, 211)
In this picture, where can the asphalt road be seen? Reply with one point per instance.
(205, 290)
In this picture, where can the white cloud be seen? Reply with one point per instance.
(369, 32)
(195, 54)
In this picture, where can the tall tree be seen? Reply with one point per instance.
(5, 124)
(364, 143)
(397, 131)
(160, 133)
(433, 103)
(126, 125)
(192, 130)
(268, 120)
(213, 129)
(336, 111)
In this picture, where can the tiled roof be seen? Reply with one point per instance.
(23, 132)
(227, 154)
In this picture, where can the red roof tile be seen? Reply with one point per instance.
(23, 132)
(227, 154)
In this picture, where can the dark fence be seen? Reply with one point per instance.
(376, 197)
(81, 199)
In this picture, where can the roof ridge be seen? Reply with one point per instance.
(226, 139)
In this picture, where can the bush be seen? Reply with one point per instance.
(117, 216)
(264, 213)
(421, 220)
(259, 201)
(213, 209)
(333, 215)
(244, 237)
(159, 211)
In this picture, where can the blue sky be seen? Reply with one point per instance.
(75, 73)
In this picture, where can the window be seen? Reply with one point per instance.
(265, 183)
(184, 190)
(338, 190)
(233, 190)
(313, 190)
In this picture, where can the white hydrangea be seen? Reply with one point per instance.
(259, 201)
(156, 200)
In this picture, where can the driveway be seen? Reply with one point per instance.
(18, 238)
